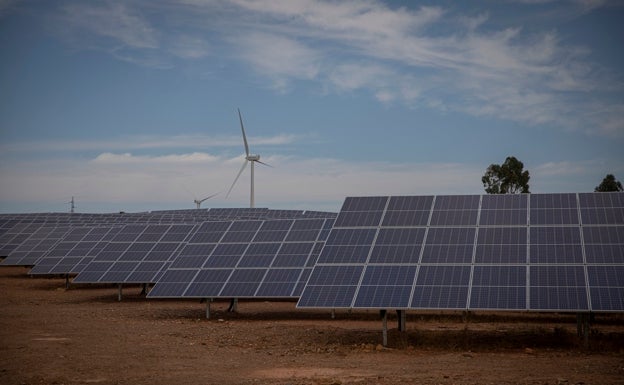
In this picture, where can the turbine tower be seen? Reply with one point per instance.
(253, 158)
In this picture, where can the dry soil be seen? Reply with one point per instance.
(50, 335)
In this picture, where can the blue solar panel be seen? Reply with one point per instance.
(546, 252)
(270, 261)
(383, 296)
(139, 256)
(501, 245)
(555, 245)
(440, 297)
(498, 298)
(553, 209)
(512, 217)
(453, 209)
(408, 211)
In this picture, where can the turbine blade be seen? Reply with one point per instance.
(243, 130)
(261, 162)
(237, 176)
(208, 197)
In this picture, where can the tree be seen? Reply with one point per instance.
(508, 178)
(609, 183)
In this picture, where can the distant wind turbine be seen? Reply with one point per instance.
(253, 158)
(198, 202)
(72, 206)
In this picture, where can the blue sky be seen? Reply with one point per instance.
(132, 105)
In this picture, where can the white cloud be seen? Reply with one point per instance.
(114, 20)
(146, 143)
(128, 158)
(188, 46)
(278, 57)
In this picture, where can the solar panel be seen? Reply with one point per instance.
(542, 252)
(136, 254)
(35, 245)
(73, 252)
(245, 259)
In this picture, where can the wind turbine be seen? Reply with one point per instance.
(72, 205)
(198, 202)
(253, 158)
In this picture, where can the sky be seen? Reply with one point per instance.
(132, 105)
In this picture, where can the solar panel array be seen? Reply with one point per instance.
(244, 259)
(101, 250)
(75, 251)
(16, 229)
(136, 254)
(543, 252)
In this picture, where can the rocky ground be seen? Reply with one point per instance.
(49, 335)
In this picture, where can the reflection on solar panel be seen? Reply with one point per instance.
(544, 252)
(243, 259)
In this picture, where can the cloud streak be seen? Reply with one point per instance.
(152, 142)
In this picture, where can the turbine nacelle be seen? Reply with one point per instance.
(253, 158)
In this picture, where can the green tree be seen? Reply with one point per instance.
(508, 178)
(609, 183)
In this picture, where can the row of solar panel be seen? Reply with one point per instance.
(600, 244)
(276, 255)
(484, 210)
(14, 232)
(465, 287)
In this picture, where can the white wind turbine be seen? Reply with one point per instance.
(198, 202)
(253, 158)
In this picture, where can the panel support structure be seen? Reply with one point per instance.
(384, 321)
(401, 319)
(233, 305)
(582, 326)
(208, 300)
(119, 294)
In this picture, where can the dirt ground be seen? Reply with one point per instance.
(49, 335)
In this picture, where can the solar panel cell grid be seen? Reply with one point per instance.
(359, 218)
(498, 297)
(440, 297)
(383, 296)
(400, 254)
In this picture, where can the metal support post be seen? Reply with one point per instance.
(144, 289)
(208, 300)
(582, 326)
(384, 321)
(401, 319)
(333, 313)
(66, 281)
(233, 305)
(119, 294)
